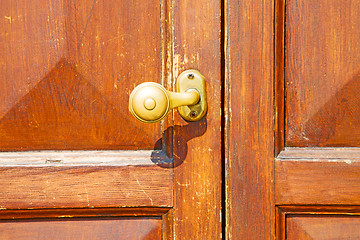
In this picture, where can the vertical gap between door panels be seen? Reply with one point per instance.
(284, 69)
(223, 119)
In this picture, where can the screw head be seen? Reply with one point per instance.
(193, 114)
(190, 76)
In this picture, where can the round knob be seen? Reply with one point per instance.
(149, 102)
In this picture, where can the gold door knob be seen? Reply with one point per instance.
(150, 102)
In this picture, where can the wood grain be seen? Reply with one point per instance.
(318, 177)
(249, 116)
(322, 73)
(97, 228)
(83, 179)
(21, 214)
(68, 69)
(318, 222)
(339, 153)
(323, 227)
(279, 81)
(197, 145)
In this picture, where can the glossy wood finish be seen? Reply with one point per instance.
(249, 119)
(317, 177)
(78, 180)
(130, 223)
(279, 85)
(197, 145)
(317, 164)
(318, 222)
(99, 228)
(323, 227)
(69, 68)
(322, 73)
(67, 71)
(20, 214)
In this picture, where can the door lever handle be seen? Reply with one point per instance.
(150, 102)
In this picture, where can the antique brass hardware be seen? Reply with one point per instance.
(150, 102)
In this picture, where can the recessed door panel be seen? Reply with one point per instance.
(68, 68)
(67, 228)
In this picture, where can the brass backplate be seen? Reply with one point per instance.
(192, 80)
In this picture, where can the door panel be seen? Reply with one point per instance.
(322, 227)
(83, 178)
(69, 145)
(82, 229)
(318, 176)
(318, 162)
(68, 68)
(292, 119)
(322, 76)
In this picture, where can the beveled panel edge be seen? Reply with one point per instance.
(320, 209)
(41, 213)
(317, 181)
(279, 75)
(283, 211)
(83, 158)
(319, 154)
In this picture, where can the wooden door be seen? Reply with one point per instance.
(74, 163)
(293, 119)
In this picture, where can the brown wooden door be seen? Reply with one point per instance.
(74, 163)
(293, 119)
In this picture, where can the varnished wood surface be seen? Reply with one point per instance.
(322, 58)
(317, 180)
(279, 91)
(40, 213)
(197, 145)
(83, 158)
(69, 68)
(249, 119)
(323, 227)
(330, 154)
(82, 228)
(328, 222)
(67, 71)
(317, 165)
(85, 186)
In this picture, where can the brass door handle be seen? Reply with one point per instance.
(150, 102)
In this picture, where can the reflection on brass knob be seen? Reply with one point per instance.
(150, 102)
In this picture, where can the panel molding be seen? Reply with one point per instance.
(41, 213)
(54, 179)
(319, 153)
(279, 75)
(317, 176)
(283, 211)
(83, 158)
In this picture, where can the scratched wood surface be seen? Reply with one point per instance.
(317, 123)
(85, 186)
(68, 68)
(197, 145)
(249, 118)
